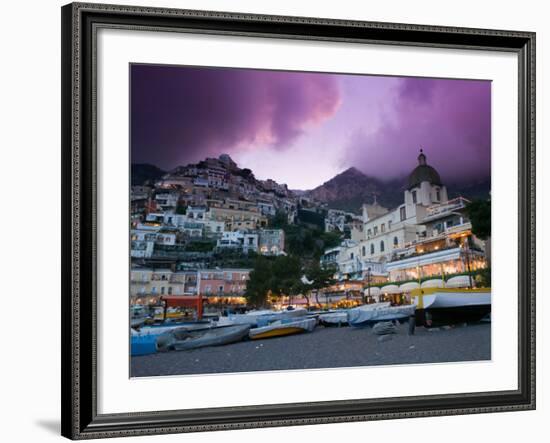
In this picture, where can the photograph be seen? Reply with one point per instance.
(292, 220)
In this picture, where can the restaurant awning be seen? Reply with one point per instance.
(184, 301)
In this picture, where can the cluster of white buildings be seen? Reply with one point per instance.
(427, 235)
(212, 200)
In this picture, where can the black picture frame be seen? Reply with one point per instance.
(79, 174)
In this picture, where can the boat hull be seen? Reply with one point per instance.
(334, 320)
(359, 318)
(280, 329)
(277, 333)
(451, 316)
(438, 307)
(185, 340)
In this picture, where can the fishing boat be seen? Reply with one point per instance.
(262, 317)
(336, 318)
(283, 327)
(138, 315)
(162, 328)
(183, 339)
(438, 306)
(142, 344)
(368, 315)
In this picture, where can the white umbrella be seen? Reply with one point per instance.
(460, 281)
(409, 286)
(390, 289)
(434, 283)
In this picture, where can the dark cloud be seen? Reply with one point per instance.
(449, 119)
(183, 114)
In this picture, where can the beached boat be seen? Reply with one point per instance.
(167, 327)
(368, 315)
(437, 306)
(142, 344)
(334, 318)
(183, 339)
(262, 317)
(453, 299)
(283, 327)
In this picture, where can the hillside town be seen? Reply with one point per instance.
(200, 229)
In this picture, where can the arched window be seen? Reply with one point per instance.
(364, 251)
(382, 246)
(395, 241)
(372, 248)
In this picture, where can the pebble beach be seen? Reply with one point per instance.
(326, 347)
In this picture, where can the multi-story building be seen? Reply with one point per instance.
(167, 199)
(147, 285)
(236, 219)
(271, 241)
(426, 235)
(241, 240)
(223, 282)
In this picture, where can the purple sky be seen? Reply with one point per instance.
(304, 128)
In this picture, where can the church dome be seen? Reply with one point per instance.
(423, 173)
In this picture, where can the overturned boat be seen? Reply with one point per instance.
(182, 339)
(334, 318)
(283, 327)
(368, 315)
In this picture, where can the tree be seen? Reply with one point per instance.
(285, 275)
(479, 213)
(319, 277)
(258, 285)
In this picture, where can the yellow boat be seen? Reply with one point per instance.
(279, 328)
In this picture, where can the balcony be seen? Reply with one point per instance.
(437, 211)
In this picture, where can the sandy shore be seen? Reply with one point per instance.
(325, 348)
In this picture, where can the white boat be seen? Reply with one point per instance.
(334, 318)
(163, 328)
(283, 327)
(456, 299)
(436, 306)
(363, 316)
(261, 317)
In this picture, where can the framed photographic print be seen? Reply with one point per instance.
(273, 221)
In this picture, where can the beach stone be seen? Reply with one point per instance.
(384, 328)
(384, 338)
